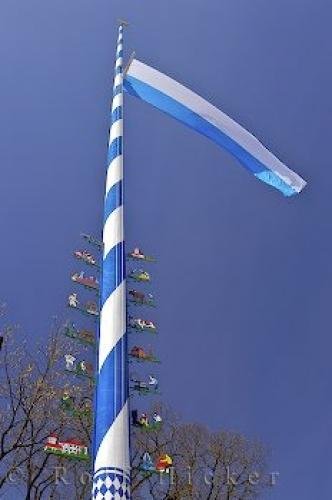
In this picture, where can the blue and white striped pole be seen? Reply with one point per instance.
(112, 457)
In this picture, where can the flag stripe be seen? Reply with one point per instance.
(181, 103)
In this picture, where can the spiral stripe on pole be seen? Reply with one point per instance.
(112, 459)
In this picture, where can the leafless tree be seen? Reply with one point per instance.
(206, 465)
(32, 383)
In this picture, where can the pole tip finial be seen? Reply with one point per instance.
(123, 23)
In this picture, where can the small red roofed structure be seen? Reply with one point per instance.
(72, 448)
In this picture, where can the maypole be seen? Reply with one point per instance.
(112, 458)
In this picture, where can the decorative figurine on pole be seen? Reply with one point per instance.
(137, 254)
(86, 257)
(73, 449)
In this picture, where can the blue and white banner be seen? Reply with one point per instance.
(169, 96)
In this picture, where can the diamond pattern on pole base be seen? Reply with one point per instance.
(111, 485)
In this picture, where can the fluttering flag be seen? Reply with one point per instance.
(169, 96)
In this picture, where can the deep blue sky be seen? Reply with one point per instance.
(244, 275)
